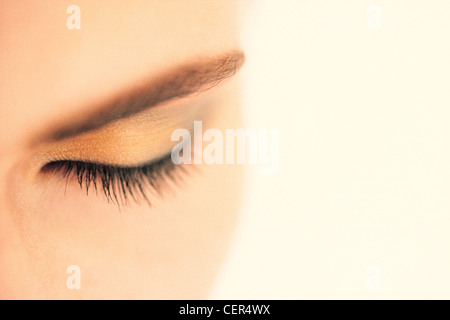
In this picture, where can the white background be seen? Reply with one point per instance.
(364, 175)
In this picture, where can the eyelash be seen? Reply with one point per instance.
(120, 184)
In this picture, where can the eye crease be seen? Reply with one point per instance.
(120, 184)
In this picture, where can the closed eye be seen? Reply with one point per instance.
(119, 184)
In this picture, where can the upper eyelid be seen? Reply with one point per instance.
(135, 141)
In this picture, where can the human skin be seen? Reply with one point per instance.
(50, 75)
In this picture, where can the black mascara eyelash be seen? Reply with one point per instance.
(119, 184)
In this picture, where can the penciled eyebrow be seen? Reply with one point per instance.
(176, 83)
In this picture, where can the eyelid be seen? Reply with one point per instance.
(134, 140)
(120, 176)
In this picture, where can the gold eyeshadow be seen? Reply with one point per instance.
(135, 140)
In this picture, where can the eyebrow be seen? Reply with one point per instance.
(175, 83)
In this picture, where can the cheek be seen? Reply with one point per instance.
(172, 250)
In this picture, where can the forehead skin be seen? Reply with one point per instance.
(49, 71)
